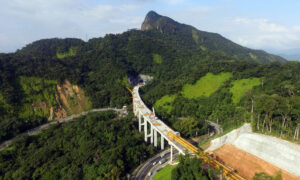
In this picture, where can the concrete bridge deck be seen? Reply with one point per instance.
(146, 116)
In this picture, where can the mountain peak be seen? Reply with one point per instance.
(152, 15)
(150, 20)
(158, 22)
(205, 41)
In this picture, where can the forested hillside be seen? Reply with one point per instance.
(182, 60)
(99, 145)
(205, 41)
(231, 93)
(197, 76)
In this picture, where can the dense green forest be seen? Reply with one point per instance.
(97, 146)
(265, 95)
(178, 56)
(197, 76)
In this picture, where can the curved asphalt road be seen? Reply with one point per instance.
(144, 170)
(217, 127)
(33, 131)
(143, 173)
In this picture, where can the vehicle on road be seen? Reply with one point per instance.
(149, 174)
(162, 161)
(154, 163)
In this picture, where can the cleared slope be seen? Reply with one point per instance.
(280, 153)
(247, 164)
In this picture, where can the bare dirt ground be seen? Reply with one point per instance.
(247, 164)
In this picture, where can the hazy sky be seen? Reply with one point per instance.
(262, 24)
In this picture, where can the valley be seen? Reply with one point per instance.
(192, 80)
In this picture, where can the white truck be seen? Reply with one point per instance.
(162, 161)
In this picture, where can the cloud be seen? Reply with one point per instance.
(264, 34)
(26, 21)
(263, 24)
(174, 2)
(100, 12)
(296, 28)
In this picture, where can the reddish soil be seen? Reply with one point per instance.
(247, 164)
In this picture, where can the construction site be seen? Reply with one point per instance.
(250, 153)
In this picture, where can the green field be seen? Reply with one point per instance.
(195, 36)
(157, 58)
(72, 52)
(37, 90)
(165, 173)
(165, 103)
(206, 85)
(203, 48)
(240, 86)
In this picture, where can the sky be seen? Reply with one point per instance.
(272, 25)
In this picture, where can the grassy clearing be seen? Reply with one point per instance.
(195, 36)
(72, 52)
(157, 58)
(10, 148)
(240, 86)
(39, 96)
(165, 173)
(206, 85)
(203, 48)
(165, 103)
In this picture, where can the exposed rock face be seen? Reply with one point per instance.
(60, 113)
(150, 19)
(39, 105)
(161, 23)
(70, 99)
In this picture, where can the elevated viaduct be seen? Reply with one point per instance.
(154, 128)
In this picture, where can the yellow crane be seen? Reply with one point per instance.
(229, 173)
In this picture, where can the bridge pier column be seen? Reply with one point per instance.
(152, 134)
(140, 122)
(155, 138)
(171, 159)
(145, 129)
(162, 142)
(134, 108)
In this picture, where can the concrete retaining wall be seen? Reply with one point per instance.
(229, 137)
(278, 152)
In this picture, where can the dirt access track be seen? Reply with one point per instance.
(247, 164)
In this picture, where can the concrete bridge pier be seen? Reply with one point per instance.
(152, 134)
(145, 129)
(135, 111)
(171, 159)
(140, 122)
(155, 138)
(162, 142)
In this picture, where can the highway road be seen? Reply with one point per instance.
(36, 130)
(174, 139)
(144, 170)
(217, 127)
(143, 173)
